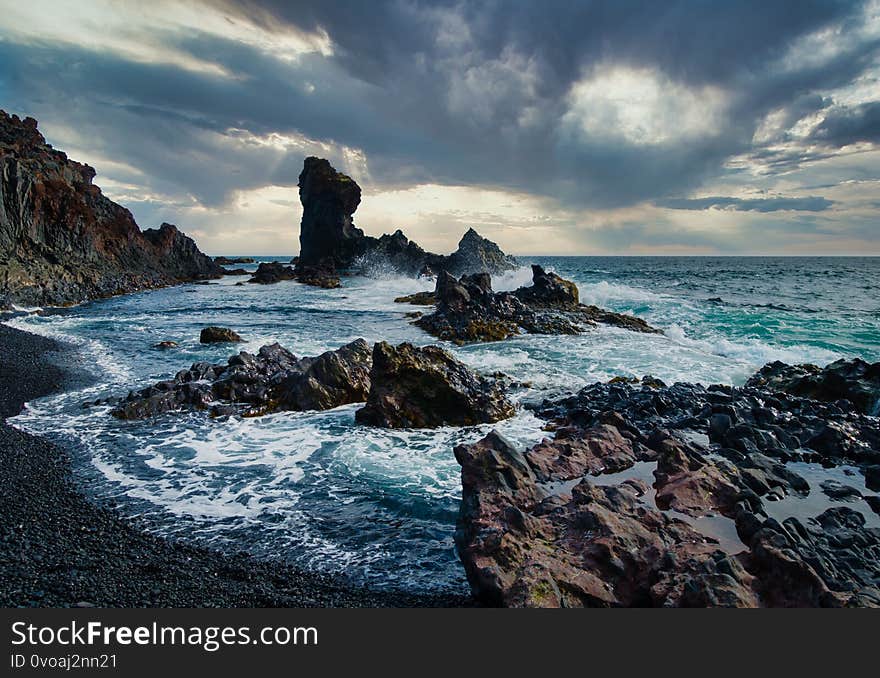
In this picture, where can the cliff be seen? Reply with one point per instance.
(62, 241)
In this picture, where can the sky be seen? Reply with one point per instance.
(624, 127)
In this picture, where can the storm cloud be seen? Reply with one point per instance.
(589, 108)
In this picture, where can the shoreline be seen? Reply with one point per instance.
(59, 549)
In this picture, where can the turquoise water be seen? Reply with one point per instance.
(380, 505)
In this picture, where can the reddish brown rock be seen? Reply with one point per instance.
(62, 241)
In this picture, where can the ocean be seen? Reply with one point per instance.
(377, 505)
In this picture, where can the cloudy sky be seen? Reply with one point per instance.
(581, 127)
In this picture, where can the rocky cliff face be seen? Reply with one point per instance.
(62, 241)
(330, 241)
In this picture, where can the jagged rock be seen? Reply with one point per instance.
(268, 273)
(330, 241)
(230, 261)
(426, 387)
(272, 380)
(476, 254)
(854, 380)
(523, 543)
(63, 242)
(468, 309)
(549, 526)
(217, 335)
(235, 271)
(165, 344)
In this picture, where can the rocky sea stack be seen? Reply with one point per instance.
(63, 242)
(330, 243)
(468, 310)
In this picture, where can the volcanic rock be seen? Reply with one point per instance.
(684, 518)
(63, 242)
(854, 380)
(272, 380)
(218, 335)
(330, 241)
(468, 310)
(426, 387)
(268, 273)
(230, 261)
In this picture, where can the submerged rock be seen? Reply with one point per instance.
(63, 242)
(468, 310)
(854, 380)
(414, 387)
(218, 335)
(272, 380)
(665, 495)
(330, 242)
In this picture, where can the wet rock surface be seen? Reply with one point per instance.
(218, 335)
(249, 385)
(468, 310)
(63, 242)
(676, 496)
(268, 273)
(331, 243)
(414, 387)
(854, 380)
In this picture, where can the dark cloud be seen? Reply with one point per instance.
(460, 92)
(806, 204)
(849, 125)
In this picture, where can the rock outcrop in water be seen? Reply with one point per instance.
(854, 380)
(330, 241)
(62, 241)
(675, 496)
(414, 387)
(218, 335)
(273, 380)
(468, 310)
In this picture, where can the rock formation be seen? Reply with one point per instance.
(468, 310)
(330, 242)
(667, 495)
(414, 387)
(272, 380)
(268, 273)
(218, 335)
(854, 380)
(62, 241)
(231, 261)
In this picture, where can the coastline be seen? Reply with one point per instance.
(58, 549)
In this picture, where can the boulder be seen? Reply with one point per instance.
(273, 380)
(271, 272)
(414, 387)
(217, 335)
